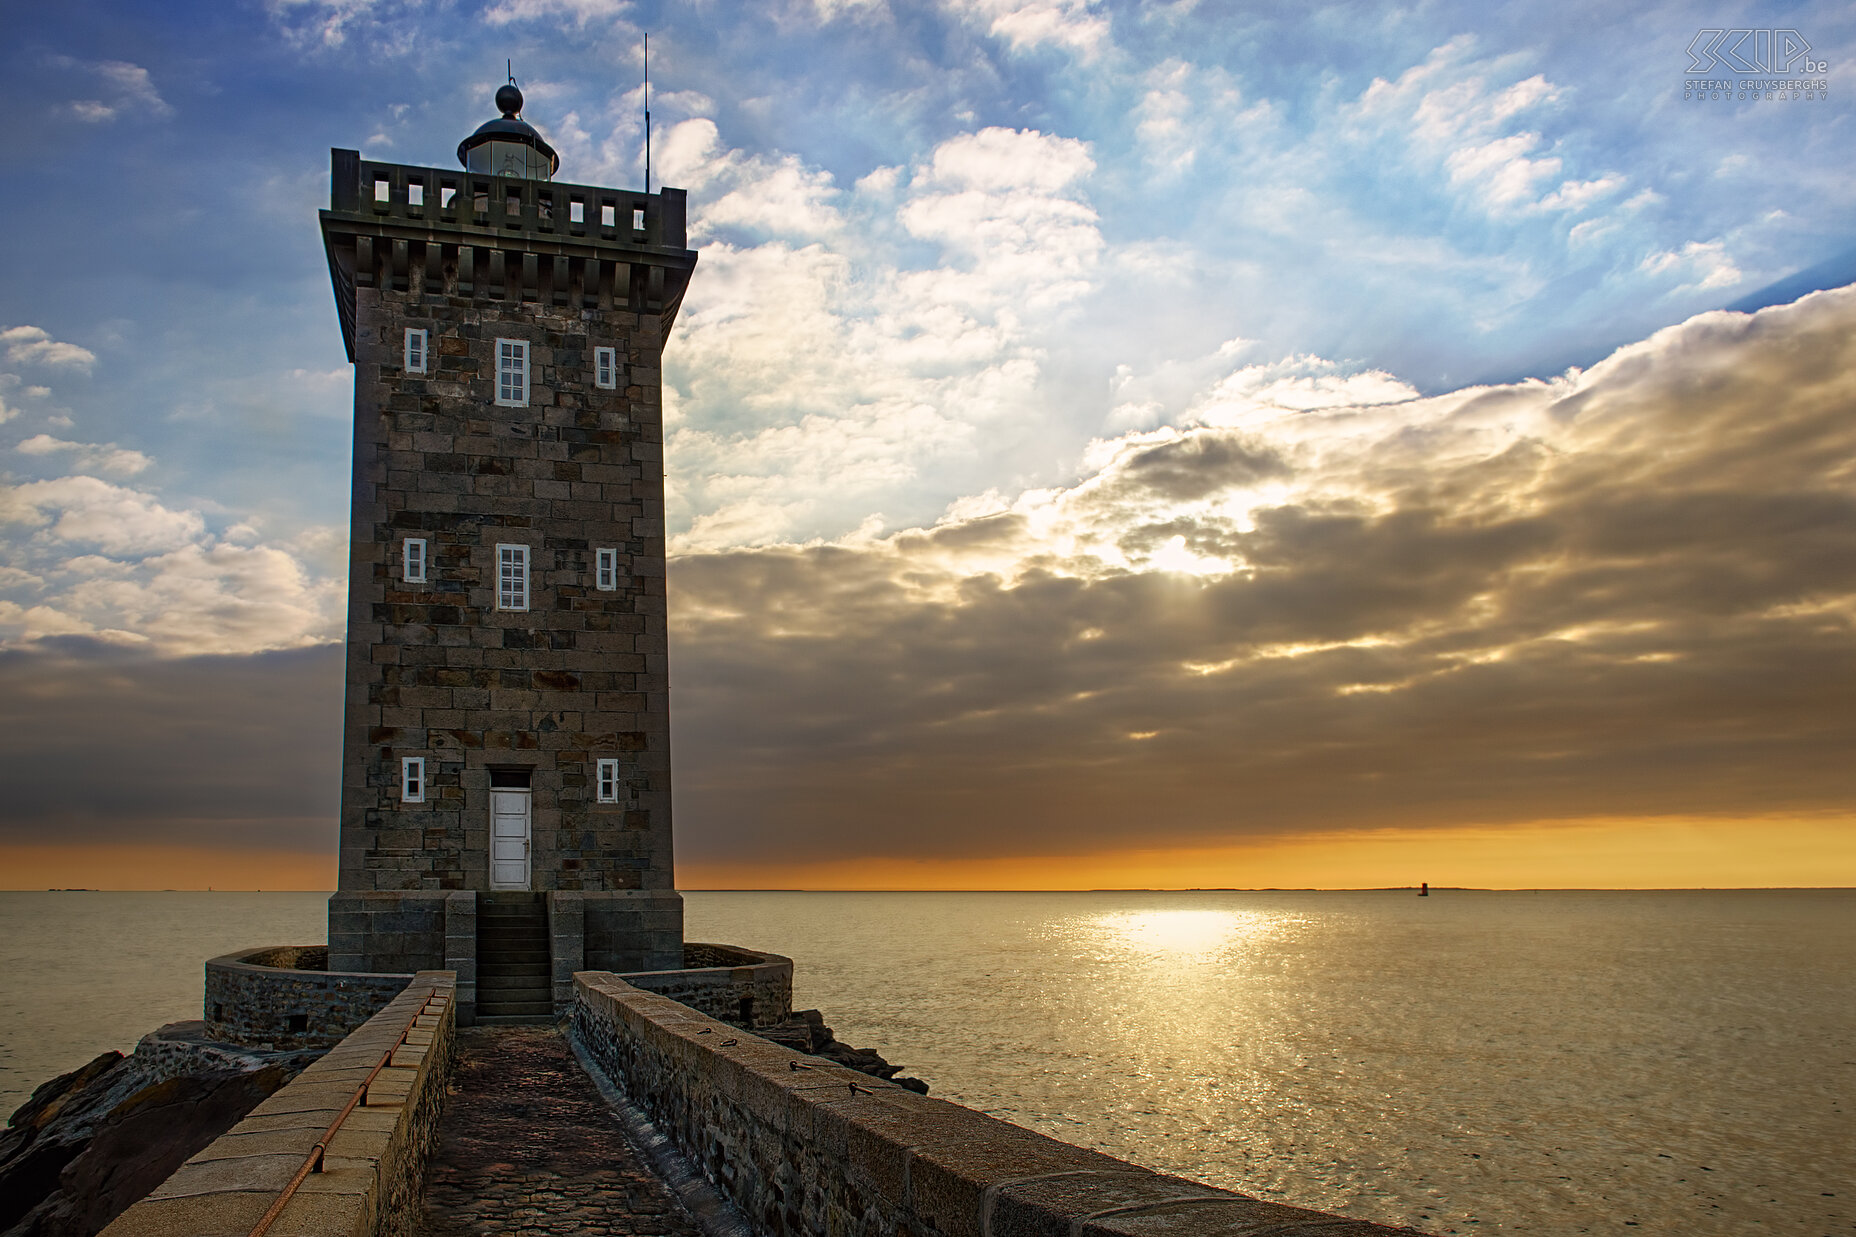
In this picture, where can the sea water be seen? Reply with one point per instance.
(1542, 1063)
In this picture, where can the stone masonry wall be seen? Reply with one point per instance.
(435, 669)
(252, 1000)
(757, 984)
(374, 1166)
(396, 931)
(633, 931)
(626, 931)
(805, 1147)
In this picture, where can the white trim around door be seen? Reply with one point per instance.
(510, 835)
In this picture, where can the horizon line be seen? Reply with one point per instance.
(1099, 889)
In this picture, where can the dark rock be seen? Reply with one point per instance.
(29, 1177)
(29, 1165)
(50, 1096)
(91, 1142)
(145, 1139)
(792, 1037)
(805, 1031)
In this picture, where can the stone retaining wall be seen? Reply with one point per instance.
(374, 1166)
(805, 1147)
(259, 998)
(393, 931)
(633, 930)
(737, 986)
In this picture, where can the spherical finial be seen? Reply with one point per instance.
(509, 100)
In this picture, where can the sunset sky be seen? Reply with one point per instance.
(1164, 445)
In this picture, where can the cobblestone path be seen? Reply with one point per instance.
(526, 1145)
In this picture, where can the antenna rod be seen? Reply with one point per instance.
(647, 112)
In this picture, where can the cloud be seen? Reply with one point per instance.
(834, 364)
(1074, 25)
(1165, 117)
(504, 12)
(32, 345)
(1698, 265)
(129, 87)
(1007, 205)
(1451, 111)
(328, 22)
(211, 598)
(1293, 384)
(107, 457)
(90, 512)
(115, 562)
(113, 744)
(1626, 591)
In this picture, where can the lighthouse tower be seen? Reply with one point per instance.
(506, 755)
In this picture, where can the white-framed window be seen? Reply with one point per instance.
(512, 373)
(414, 560)
(412, 779)
(608, 780)
(512, 577)
(606, 367)
(415, 350)
(605, 570)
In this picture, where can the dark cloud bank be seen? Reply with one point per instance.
(111, 745)
(1633, 593)
(1637, 600)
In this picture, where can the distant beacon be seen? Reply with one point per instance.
(506, 753)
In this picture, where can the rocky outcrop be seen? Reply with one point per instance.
(806, 1032)
(91, 1142)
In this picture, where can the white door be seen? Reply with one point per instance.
(509, 829)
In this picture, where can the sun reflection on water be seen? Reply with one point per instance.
(1174, 935)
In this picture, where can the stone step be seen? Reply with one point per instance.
(515, 1009)
(536, 960)
(515, 1020)
(511, 983)
(519, 1003)
(504, 975)
(538, 995)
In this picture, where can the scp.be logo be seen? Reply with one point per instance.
(1753, 51)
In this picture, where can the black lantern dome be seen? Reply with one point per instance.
(509, 145)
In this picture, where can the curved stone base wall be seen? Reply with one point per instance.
(276, 998)
(739, 986)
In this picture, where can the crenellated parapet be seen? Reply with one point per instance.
(477, 237)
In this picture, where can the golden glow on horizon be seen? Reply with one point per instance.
(148, 866)
(1648, 853)
(1651, 853)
